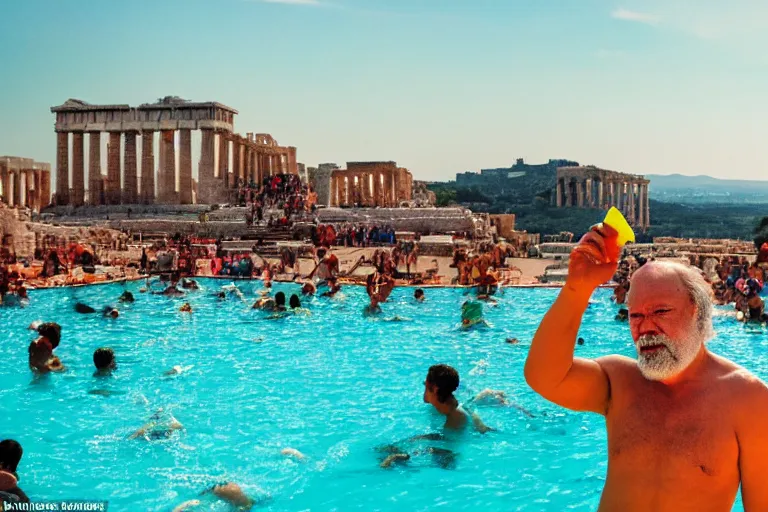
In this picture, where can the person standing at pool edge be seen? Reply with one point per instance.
(685, 426)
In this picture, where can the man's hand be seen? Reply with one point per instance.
(595, 260)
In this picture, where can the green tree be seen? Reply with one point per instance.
(445, 196)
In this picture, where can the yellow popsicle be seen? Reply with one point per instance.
(616, 220)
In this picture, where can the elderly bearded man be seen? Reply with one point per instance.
(685, 426)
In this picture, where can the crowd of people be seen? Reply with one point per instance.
(733, 280)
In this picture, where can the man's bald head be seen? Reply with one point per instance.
(667, 277)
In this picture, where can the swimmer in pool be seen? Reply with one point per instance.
(154, 429)
(472, 314)
(418, 295)
(442, 380)
(186, 308)
(189, 284)
(110, 312)
(104, 360)
(41, 358)
(234, 290)
(234, 495)
(126, 297)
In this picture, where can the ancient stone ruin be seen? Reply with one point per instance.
(591, 187)
(25, 183)
(253, 156)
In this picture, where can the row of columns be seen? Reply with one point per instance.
(250, 163)
(28, 188)
(370, 189)
(629, 196)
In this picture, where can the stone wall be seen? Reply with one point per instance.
(421, 220)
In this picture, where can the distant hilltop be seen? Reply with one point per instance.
(676, 188)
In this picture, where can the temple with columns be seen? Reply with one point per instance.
(591, 187)
(226, 158)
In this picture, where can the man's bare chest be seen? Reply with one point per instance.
(665, 434)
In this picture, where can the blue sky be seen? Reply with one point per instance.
(440, 86)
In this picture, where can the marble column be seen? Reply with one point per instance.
(62, 168)
(45, 188)
(237, 160)
(580, 193)
(559, 193)
(568, 193)
(112, 189)
(166, 181)
(224, 160)
(640, 209)
(5, 176)
(631, 202)
(588, 185)
(29, 188)
(185, 166)
(95, 181)
(293, 167)
(18, 189)
(148, 167)
(646, 206)
(377, 198)
(78, 170)
(206, 182)
(130, 170)
(600, 196)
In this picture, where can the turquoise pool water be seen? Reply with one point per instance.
(333, 385)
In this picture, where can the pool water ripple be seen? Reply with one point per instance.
(331, 384)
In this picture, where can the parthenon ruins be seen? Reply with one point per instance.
(591, 187)
(24, 182)
(366, 184)
(252, 157)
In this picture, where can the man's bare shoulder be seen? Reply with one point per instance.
(617, 364)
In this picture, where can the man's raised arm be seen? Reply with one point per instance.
(551, 369)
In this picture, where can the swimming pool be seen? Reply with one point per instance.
(332, 385)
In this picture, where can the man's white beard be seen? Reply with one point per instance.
(666, 362)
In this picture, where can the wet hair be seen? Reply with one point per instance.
(418, 293)
(103, 358)
(52, 331)
(127, 296)
(294, 301)
(10, 455)
(580, 341)
(445, 378)
(280, 299)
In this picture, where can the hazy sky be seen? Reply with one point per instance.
(440, 86)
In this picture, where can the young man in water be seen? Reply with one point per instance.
(104, 360)
(10, 456)
(442, 380)
(685, 427)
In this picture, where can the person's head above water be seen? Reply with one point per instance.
(418, 294)
(670, 318)
(280, 299)
(51, 331)
(10, 455)
(294, 301)
(104, 359)
(442, 380)
(321, 253)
